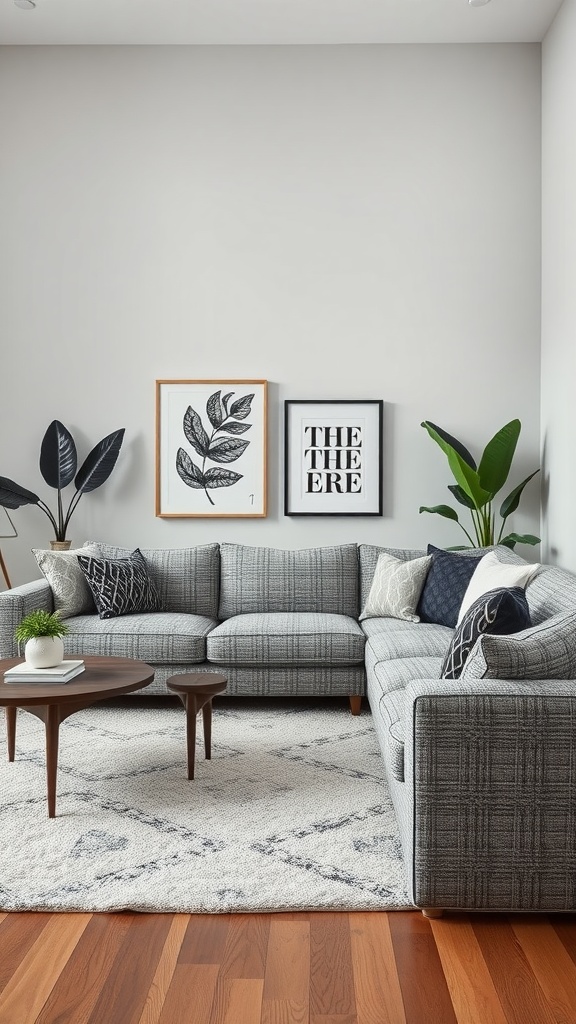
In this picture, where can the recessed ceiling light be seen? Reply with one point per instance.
(478, 3)
(25, 5)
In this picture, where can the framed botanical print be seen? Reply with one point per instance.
(211, 448)
(333, 458)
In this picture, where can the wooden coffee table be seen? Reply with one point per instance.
(54, 702)
(196, 690)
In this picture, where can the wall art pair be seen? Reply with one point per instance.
(211, 452)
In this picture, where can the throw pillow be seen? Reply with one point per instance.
(61, 569)
(396, 587)
(545, 651)
(490, 574)
(120, 586)
(445, 585)
(499, 611)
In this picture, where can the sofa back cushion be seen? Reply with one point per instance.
(187, 579)
(272, 580)
(369, 554)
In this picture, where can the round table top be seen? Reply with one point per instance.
(102, 678)
(197, 682)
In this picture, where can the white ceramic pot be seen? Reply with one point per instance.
(44, 651)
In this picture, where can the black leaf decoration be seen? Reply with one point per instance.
(241, 408)
(221, 477)
(99, 463)
(12, 495)
(188, 471)
(225, 401)
(227, 449)
(214, 409)
(236, 428)
(58, 459)
(195, 433)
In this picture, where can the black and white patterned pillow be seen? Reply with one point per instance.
(501, 611)
(120, 586)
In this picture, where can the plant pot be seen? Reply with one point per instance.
(44, 651)
(60, 545)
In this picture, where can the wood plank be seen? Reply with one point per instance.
(18, 933)
(551, 963)
(376, 983)
(246, 946)
(237, 1001)
(521, 997)
(565, 927)
(190, 997)
(331, 980)
(128, 983)
(286, 994)
(334, 1018)
(164, 973)
(205, 939)
(423, 985)
(32, 982)
(75, 993)
(471, 988)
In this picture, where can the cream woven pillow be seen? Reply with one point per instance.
(72, 595)
(396, 587)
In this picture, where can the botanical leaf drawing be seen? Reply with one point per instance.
(217, 447)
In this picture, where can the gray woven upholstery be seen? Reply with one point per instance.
(14, 605)
(271, 580)
(546, 651)
(274, 680)
(186, 578)
(493, 773)
(287, 638)
(392, 711)
(551, 592)
(426, 640)
(396, 673)
(153, 637)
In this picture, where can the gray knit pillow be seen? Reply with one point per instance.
(396, 588)
(72, 595)
(545, 651)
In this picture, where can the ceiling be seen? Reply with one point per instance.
(94, 22)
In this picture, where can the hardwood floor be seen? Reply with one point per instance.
(324, 968)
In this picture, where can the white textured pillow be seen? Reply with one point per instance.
(491, 574)
(396, 587)
(72, 595)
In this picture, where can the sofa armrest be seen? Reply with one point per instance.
(492, 764)
(14, 605)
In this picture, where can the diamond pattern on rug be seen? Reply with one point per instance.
(292, 813)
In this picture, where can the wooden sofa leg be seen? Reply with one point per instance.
(355, 704)
(432, 912)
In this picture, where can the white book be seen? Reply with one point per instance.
(61, 673)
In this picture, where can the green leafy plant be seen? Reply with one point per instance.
(40, 623)
(58, 464)
(477, 486)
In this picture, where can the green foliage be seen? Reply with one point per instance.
(40, 623)
(477, 486)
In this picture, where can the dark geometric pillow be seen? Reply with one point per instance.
(501, 611)
(120, 586)
(445, 586)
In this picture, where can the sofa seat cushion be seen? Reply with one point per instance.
(395, 674)
(392, 711)
(156, 637)
(287, 638)
(422, 640)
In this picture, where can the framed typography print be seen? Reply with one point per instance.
(333, 458)
(210, 448)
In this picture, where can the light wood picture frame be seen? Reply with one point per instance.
(211, 448)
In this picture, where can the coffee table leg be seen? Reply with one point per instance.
(191, 712)
(207, 717)
(11, 732)
(52, 722)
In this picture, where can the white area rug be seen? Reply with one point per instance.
(291, 813)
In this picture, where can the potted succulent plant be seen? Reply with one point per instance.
(58, 465)
(41, 632)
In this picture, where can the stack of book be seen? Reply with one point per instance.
(61, 673)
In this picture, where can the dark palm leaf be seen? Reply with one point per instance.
(195, 433)
(454, 443)
(58, 459)
(98, 465)
(188, 471)
(12, 495)
(461, 496)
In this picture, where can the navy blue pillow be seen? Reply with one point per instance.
(446, 583)
(501, 611)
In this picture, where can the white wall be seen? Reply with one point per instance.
(346, 222)
(559, 285)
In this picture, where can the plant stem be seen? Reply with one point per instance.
(47, 512)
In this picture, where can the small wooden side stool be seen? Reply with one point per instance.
(196, 690)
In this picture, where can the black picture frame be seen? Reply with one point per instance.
(333, 457)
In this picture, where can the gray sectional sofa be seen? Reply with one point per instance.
(482, 770)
